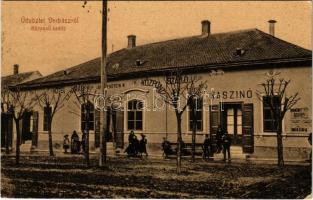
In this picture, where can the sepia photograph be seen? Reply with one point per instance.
(112, 99)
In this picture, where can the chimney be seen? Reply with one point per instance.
(131, 41)
(15, 69)
(272, 27)
(206, 27)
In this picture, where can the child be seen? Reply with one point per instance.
(66, 143)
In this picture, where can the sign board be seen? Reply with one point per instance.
(300, 121)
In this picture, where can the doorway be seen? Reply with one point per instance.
(231, 118)
(6, 130)
(27, 126)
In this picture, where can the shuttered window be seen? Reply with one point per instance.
(268, 115)
(91, 117)
(46, 113)
(198, 114)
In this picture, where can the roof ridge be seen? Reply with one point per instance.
(187, 37)
(281, 40)
(22, 73)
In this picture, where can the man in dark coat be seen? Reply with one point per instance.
(206, 147)
(131, 137)
(74, 143)
(142, 145)
(226, 142)
(219, 135)
(83, 143)
(166, 147)
(132, 148)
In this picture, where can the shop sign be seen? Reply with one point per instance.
(116, 85)
(231, 94)
(300, 120)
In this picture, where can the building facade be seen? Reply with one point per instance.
(233, 64)
(7, 122)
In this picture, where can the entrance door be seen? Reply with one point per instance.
(27, 127)
(119, 129)
(6, 130)
(232, 122)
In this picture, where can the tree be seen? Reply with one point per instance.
(85, 95)
(51, 101)
(273, 94)
(17, 103)
(179, 92)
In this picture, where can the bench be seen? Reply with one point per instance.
(187, 150)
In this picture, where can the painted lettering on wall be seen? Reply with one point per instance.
(300, 120)
(231, 94)
(116, 85)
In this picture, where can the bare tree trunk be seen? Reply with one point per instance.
(18, 142)
(7, 146)
(7, 138)
(87, 135)
(194, 127)
(50, 137)
(179, 141)
(280, 153)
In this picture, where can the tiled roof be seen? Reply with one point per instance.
(12, 80)
(213, 50)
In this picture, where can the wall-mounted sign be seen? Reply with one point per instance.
(300, 120)
(299, 113)
(116, 85)
(231, 94)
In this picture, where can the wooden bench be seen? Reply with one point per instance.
(187, 150)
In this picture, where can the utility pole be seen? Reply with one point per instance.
(103, 117)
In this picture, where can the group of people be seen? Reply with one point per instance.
(136, 147)
(223, 143)
(74, 144)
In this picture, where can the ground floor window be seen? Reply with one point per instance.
(85, 118)
(268, 115)
(134, 115)
(198, 114)
(46, 113)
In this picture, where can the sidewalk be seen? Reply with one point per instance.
(216, 158)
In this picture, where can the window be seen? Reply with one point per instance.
(134, 115)
(199, 115)
(268, 116)
(46, 113)
(234, 121)
(84, 116)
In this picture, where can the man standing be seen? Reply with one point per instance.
(206, 147)
(166, 147)
(142, 145)
(219, 135)
(226, 142)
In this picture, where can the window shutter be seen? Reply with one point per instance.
(119, 137)
(108, 126)
(247, 128)
(214, 122)
(97, 128)
(35, 129)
